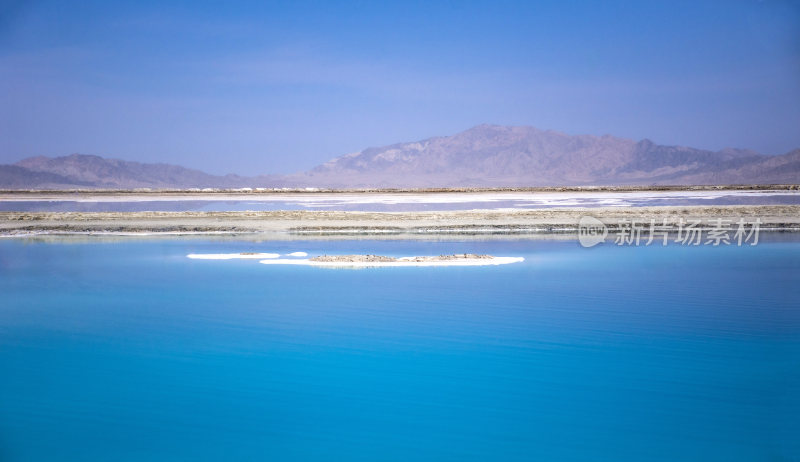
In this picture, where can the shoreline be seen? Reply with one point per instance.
(335, 199)
(377, 225)
(251, 192)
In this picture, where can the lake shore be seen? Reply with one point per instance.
(348, 224)
(91, 193)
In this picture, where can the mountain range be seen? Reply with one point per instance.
(483, 156)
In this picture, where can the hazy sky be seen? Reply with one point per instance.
(282, 86)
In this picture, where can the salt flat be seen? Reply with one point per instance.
(384, 214)
(387, 201)
(388, 225)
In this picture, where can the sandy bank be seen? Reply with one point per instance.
(339, 224)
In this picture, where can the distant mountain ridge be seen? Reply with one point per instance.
(99, 172)
(483, 156)
(491, 155)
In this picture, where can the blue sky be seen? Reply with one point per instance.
(278, 87)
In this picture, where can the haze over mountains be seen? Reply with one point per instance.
(87, 171)
(483, 156)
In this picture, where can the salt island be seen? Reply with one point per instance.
(465, 259)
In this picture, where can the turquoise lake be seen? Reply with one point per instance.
(127, 350)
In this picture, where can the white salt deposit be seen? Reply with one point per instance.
(405, 261)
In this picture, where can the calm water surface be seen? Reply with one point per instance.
(130, 351)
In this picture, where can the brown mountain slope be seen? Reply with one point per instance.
(95, 171)
(490, 155)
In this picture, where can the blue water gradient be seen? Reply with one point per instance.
(130, 351)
